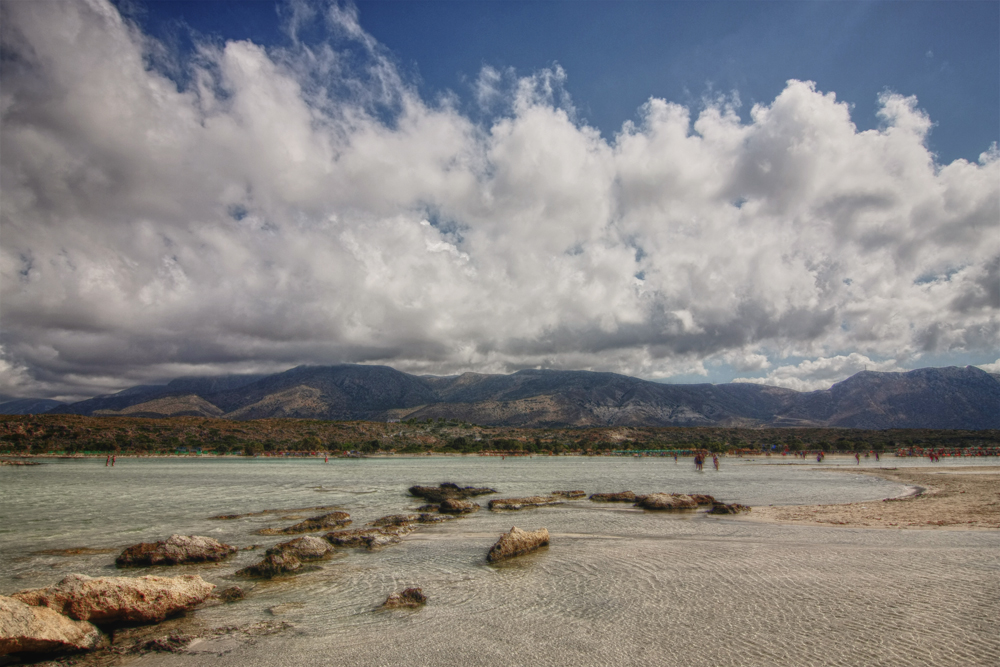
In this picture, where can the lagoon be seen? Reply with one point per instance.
(616, 585)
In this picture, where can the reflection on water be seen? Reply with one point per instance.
(616, 585)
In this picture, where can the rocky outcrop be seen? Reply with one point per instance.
(273, 564)
(113, 600)
(666, 501)
(516, 543)
(731, 508)
(175, 550)
(620, 497)
(395, 520)
(287, 557)
(316, 523)
(410, 597)
(307, 547)
(31, 629)
(702, 499)
(570, 495)
(436, 494)
(456, 506)
(367, 538)
(522, 503)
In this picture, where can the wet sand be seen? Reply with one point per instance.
(953, 498)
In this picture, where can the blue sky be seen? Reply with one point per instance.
(618, 54)
(771, 192)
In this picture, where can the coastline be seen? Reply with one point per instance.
(947, 498)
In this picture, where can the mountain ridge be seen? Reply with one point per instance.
(949, 397)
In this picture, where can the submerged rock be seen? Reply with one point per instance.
(175, 550)
(367, 538)
(666, 501)
(316, 523)
(410, 597)
(307, 547)
(570, 494)
(38, 630)
(620, 497)
(456, 506)
(731, 508)
(436, 494)
(395, 520)
(272, 565)
(111, 600)
(516, 543)
(231, 594)
(435, 518)
(521, 503)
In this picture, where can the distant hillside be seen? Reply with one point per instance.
(943, 398)
(28, 406)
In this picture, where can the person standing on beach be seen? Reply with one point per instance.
(857, 457)
(108, 461)
(715, 462)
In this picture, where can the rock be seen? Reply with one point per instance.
(231, 594)
(395, 520)
(331, 520)
(456, 506)
(516, 543)
(521, 503)
(732, 508)
(273, 564)
(411, 597)
(175, 550)
(666, 501)
(435, 518)
(368, 538)
(32, 629)
(620, 497)
(112, 600)
(702, 499)
(436, 494)
(570, 494)
(307, 547)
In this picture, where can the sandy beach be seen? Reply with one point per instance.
(953, 498)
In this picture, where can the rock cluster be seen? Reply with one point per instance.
(521, 503)
(287, 557)
(666, 501)
(175, 550)
(436, 494)
(410, 597)
(516, 543)
(316, 523)
(570, 495)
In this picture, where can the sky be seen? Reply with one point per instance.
(785, 193)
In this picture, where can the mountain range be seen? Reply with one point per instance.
(941, 398)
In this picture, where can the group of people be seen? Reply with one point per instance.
(110, 461)
(699, 461)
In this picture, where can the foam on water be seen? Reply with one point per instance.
(616, 585)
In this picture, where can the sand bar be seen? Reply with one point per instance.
(954, 498)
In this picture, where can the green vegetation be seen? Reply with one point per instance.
(70, 434)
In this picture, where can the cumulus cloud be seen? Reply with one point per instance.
(303, 204)
(813, 374)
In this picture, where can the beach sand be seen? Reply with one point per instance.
(954, 498)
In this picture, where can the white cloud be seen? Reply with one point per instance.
(273, 212)
(821, 373)
(991, 368)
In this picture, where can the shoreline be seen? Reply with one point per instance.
(947, 498)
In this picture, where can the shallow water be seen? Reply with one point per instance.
(616, 586)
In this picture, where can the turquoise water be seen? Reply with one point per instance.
(616, 585)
